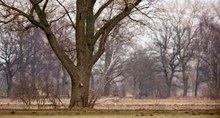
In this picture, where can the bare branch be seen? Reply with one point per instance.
(34, 5)
(104, 31)
(52, 21)
(67, 12)
(102, 8)
(45, 5)
(137, 21)
(13, 8)
(101, 48)
(20, 12)
(145, 14)
(10, 20)
(112, 22)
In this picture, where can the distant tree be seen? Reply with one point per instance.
(184, 41)
(9, 54)
(210, 58)
(167, 53)
(114, 56)
(143, 70)
(174, 39)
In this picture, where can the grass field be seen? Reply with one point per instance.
(120, 108)
(130, 103)
(109, 114)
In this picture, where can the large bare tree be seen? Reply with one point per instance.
(82, 16)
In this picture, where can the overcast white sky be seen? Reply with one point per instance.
(204, 6)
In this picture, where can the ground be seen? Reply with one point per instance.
(110, 114)
(119, 108)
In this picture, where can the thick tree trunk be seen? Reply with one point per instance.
(80, 90)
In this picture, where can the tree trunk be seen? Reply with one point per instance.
(8, 88)
(168, 92)
(197, 78)
(9, 82)
(80, 90)
(196, 88)
(185, 81)
(107, 89)
(185, 89)
(169, 84)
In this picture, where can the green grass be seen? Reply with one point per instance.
(87, 113)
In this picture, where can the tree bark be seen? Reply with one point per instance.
(80, 90)
(168, 92)
(107, 88)
(185, 89)
(185, 79)
(9, 81)
(197, 78)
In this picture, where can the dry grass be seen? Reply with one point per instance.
(157, 104)
(127, 108)
(130, 103)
